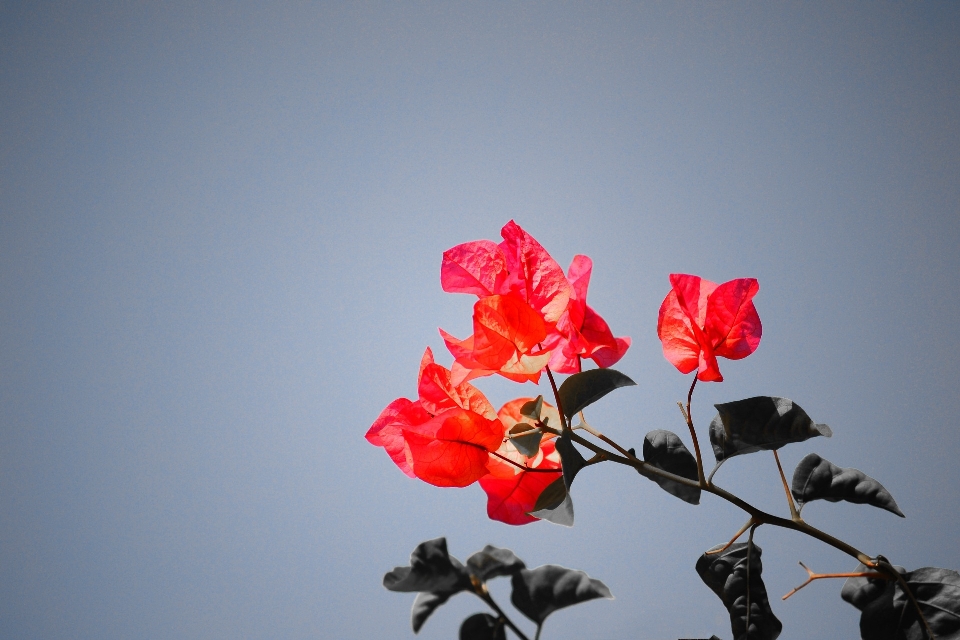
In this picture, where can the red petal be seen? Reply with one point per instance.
(676, 333)
(578, 275)
(452, 449)
(733, 325)
(473, 267)
(534, 275)
(510, 499)
(692, 293)
(505, 328)
(387, 431)
(438, 393)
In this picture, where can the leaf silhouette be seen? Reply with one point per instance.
(726, 575)
(424, 605)
(493, 561)
(888, 614)
(760, 424)
(819, 479)
(583, 389)
(664, 450)
(431, 569)
(482, 626)
(433, 572)
(555, 504)
(539, 592)
(525, 438)
(572, 459)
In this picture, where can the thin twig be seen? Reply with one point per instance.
(811, 576)
(556, 396)
(523, 466)
(794, 514)
(739, 533)
(760, 516)
(693, 434)
(484, 595)
(503, 616)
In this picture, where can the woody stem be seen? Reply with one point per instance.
(556, 396)
(523, 466)
(693, 434)
(794, 515)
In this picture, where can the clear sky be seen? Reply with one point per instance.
(220, 239)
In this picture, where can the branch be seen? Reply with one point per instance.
(819, 576)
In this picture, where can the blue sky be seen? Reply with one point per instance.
(220, 239)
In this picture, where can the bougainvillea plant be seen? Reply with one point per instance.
(531, 319)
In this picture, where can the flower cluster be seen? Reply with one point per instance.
(530, 317)
(529, 314)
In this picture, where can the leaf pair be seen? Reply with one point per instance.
(437, 575)
(537, 593)
(577, 392)
(888, 614)
(555, 504)
(735, 577)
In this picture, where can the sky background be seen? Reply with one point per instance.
(220, 239)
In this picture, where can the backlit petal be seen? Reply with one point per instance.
(473, 267)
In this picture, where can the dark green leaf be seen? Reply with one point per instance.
(533, 408)
(862, 591)
(760, 424)
(888, 614)
(425, 604)
(937, 591)
(555, 504)
(664, 450)
(529, 442)
(431, 569)
(552, 496)
(879, 619)
(482, 626)
(819, 479)
(572, 459)
(561, 514)
(583, 389)
(493, 561)
(726, 575)
(539, 592)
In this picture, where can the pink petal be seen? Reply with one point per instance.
(387, 431)
(438, 393)
(452, 449)
(477, 267)
(692, 293)
(676, 333)
(733, 325)
(511, 499)
(533, 273)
